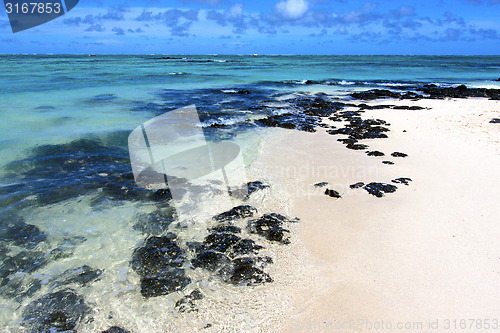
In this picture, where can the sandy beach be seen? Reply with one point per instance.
(362, 197)
(423, 256)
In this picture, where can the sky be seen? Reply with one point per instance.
(264, 27)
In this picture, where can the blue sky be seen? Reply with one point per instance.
(265, 27)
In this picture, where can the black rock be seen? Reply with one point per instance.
(21, 234)
(388, 162)
(157, 263)
(347, 141)
(245, 271)
(236, 213)
(333, 193)
(273, 122)
(170, 280)
(495, 121)
(115, 329)
(103, 98)
(461, 91)
(162, 195)
(356, 146)
(156, 223)
(57, 173)
(375, 94)
(156, 254)
(24, 261)
(244, 246)
(411, 108)
(357, 185)
(398, 154)
(55, 312)
(375, 153)
(374, 107)
(402, 181)
(411, 95)
(322, 184)
(186, 304)
(19, 287)
(210, 260)
(226, 228)
(82, 276)
(221, 242)
(498, 80)
(66, 247)
(378, 189)
(251, 187)
(230, 244)
(270, 227)
(256, 186)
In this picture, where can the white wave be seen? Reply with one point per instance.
(223, 121)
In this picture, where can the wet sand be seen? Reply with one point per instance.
(427, 252)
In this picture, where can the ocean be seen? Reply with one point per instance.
(72, 220)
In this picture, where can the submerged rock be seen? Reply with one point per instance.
(66, 247)
(250, 188)
(156, 223)
(398, 154)
(270, 226)
(379, 189)
(103, 98)
(256, 186)
(230, 244)
(388, 162)
(233, 258)
(59, 311)
(20, 286)
(24, 261)
(57, 173)
(210, 260)
(226, 228)
(245, 271)
(322, 184)
(158, 264)
(115, 329)
(236, 213)
(170, 280)
(19, 233)
(81, 275)
(187, 304)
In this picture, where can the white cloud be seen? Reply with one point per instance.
(292, 9)
(235, 10)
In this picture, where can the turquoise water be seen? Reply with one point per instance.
(67, 198)
(49, 99)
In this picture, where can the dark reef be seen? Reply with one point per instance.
(58, 311)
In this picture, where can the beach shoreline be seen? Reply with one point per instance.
(427, 251)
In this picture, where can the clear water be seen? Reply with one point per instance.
(54, 100)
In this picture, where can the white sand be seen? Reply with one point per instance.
(428, 251)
